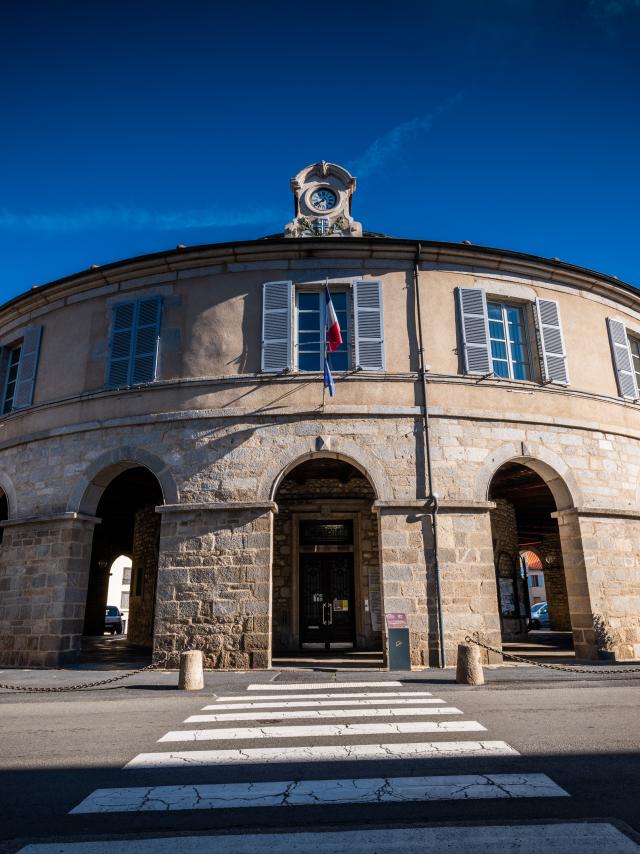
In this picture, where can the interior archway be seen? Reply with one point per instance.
(527, 547)
(129, 526)
(326, 564)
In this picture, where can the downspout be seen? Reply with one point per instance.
(431, 495)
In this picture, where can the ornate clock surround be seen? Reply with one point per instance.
(312, 221)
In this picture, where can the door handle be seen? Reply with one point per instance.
(328, 614)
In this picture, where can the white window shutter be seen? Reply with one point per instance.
(27, 367)
(145, 350)
(622, 359)
(277, 316)
(122, 331)
(369, 325)
(553, 356)
(474, 327)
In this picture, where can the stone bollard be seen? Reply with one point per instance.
(191, 675)
(469, 667)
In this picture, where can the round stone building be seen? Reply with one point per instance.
(173, 409)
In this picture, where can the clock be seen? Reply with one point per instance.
(323, 199)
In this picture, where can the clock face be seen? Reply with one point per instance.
(324, 200)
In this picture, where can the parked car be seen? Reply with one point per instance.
(113, 620)
(539, 618)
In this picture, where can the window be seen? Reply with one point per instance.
(134, 342)
(634, 346)
(293, 327)
(11, 379)
(310, 330)
(494, 337)
(508, 342)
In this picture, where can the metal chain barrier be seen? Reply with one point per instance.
(82, 687)
(567, 668)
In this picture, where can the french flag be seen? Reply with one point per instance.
(334, 336)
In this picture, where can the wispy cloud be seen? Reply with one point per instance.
(389, 144)
(137, 218)
(605, 10)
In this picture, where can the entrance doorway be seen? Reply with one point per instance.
(326, 591)
(326, 601)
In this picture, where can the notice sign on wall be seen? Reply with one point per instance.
(396, 620)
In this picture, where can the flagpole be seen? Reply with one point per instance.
(324, 343)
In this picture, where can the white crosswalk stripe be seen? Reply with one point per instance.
(320, 731)
(322, 714)
(313, 686)
(574, 837)
(364, 695)
(322, 753)
(310, 703)
(314, 792)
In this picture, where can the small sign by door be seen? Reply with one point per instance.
(396, 620)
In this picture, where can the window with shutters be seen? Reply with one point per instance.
(293, 327)
(135, 333)
(310, 331)
(509, 346)
(496, 341)
(13, 361)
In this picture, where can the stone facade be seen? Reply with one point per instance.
(221, 439)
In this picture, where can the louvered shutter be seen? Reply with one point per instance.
(147, 335)
(622, 359)
(369, 325)
(27, 367)
(4, 364)
(121, 339)
(276, 326)
(551, 342)
(474, 327)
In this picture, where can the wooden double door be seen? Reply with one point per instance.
(327, 602)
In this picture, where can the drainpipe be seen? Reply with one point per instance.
(431, 495)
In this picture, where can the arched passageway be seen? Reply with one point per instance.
(129, 527)
(326, 563)
(528, 557)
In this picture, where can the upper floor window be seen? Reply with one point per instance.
(133, 351)
(509, 351)
(494, 337)
(11, 378)
(634, 346)
(293, 327)
(19, 364)
(310, 330)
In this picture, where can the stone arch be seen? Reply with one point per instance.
(6, 485)
(551, 468)
(98, 475)
(347, 452)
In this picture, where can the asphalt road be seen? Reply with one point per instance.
(55, 750)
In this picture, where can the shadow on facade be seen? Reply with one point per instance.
(129, 526)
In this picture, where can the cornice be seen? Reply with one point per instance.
(230, 257)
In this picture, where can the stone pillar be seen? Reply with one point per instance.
(44, 572)
(468, 577)
(405, 586)
(578, 592)
(214, 584)
(144, 576)
(602, 568)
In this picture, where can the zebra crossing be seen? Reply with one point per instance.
(296, 713)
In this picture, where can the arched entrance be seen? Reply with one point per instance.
(528, 556)
(326, 563)
(4, 511)
(128, 527)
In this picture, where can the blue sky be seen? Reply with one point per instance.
(132, 127)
